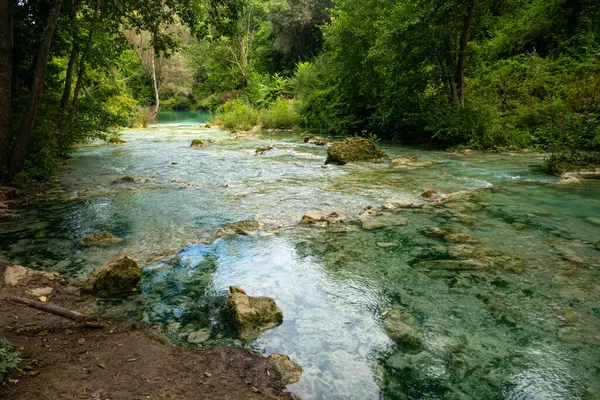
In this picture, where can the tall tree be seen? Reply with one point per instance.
(19, 150)
(6, 54)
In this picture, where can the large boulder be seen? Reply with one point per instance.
(245, 227)
(290, 371)
(353, 149)
(115, 277)
(253, 315)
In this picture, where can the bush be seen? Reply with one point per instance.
(237, 115)
(281, 115)
(9, 358)
(140, 117)
(178, 103)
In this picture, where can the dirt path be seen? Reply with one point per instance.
(62, 360)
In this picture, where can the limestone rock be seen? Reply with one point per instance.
(317, 140)
(115, 277)
(101, 239)
(397, 324)
(569, 180)
(263, 149)
(125, 179)
(197, 143)
(245, 227)
(459, 238)
(370, 225)
(290, 371)
(593, 221)
(353, 149)
(429, 193)
(253, 315)
(311, 218)
(405, 160)
(435, 232)
(456, 265)
(41, 291)
(17, 275)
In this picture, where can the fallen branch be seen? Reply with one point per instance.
(88, 321)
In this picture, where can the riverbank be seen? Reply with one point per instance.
(62, 359)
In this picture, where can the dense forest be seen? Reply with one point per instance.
(482, 74)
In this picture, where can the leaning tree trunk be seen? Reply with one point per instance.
(462, 54)
(6, 54)
(80, 76)
(64, 100)
(155, 86)
(19, 151)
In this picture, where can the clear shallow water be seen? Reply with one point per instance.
(486, 334)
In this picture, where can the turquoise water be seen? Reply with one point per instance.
(524, 326)
(182, 117)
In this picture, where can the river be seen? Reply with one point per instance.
(526, 328)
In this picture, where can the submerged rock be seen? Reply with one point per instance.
(198, 337)
(103, 238)
(290, 371)
(459, 238)
(125, 179)
(370, 225)
(435, 232)
(197, 143)
(245, 227)
(353, 149)
(18, 275)
(397, 325)
(115, 277)
(593, 221)
(405, 160)
(253, 315)
(464, 265)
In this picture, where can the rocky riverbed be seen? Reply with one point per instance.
(427, 274)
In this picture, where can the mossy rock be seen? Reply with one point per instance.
(263, 149)
(253, 315)
(125, 179)
(115, 277)
(197, 143)
(101, 239)
(353, 149)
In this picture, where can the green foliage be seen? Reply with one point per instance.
(281, 114)
(140, 117)
(237, 115)
(9, 358)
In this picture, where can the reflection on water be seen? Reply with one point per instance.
(367, 313)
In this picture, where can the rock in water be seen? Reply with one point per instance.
(290, 371)
(429, 193)
(310, 218)
(353, 149)
(245, 227)
(253, 315)
(197, 143)
(396, 324)
(125, 179)
(115, 277)
(103, 238)
(435, 232)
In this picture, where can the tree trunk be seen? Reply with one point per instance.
(6, 54)
(72, 60)
(155, 86)
(80, 76)
(19, 150)
(449, 70)
(462, 54)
